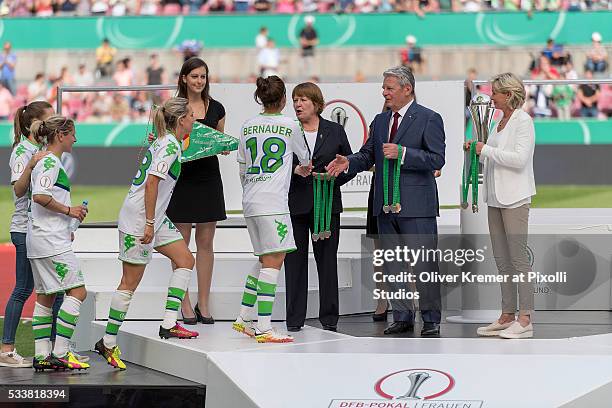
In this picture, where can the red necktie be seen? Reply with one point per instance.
(396, 115)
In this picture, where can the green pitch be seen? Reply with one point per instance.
(105, 201)
(24, 339)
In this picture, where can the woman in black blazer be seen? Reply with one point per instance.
(325, 140)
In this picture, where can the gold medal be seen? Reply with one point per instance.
(327, 234)
(397, 207)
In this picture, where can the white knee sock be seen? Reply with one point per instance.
(249, 297)
(67, 319)
(176, 292)
(118, 308)
(266, 291)
(42, 319)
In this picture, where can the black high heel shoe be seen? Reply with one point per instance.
(381, 317)
(202, 319)
(191, 321)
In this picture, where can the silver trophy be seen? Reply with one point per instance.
(481, 109)
(416, 381)
(338, 115)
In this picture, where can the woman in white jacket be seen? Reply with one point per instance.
(508, 187)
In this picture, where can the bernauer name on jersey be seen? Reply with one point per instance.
(276, 129)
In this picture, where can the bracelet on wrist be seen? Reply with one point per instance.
(68, 212)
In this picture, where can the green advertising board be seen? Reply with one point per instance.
(346, 30)
(548, 132)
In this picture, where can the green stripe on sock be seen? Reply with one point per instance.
(42, 320)
(112, 328)
(264, 307)
(251, 283)
(67, 317)
(249, 299)
(172, 305)
(266, 288)
(116, 315)
(176, 292)
(64, 330)
(42, 332)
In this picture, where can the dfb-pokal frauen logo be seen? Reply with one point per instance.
(411, 388)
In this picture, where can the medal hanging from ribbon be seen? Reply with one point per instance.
(323, 192)
(395, 207)
(470, 177)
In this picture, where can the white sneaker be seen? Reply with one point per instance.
(13, 359)
(272, 336)
(244, 326)
(516, 331)
(493, 329)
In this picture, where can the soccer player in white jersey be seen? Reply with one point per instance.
(24, 156)
(49, 245)
(265, 155)
(144, 226)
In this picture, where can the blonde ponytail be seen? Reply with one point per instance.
(165, 118)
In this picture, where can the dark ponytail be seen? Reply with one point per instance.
(17, 125)
(270, 92)
(25, 115)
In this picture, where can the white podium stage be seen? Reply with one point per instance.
(325, 369)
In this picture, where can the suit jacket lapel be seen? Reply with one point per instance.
(388, 116)
(407, 121)
(321, 136)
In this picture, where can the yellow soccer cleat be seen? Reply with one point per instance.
(244, 327)
(110, 355)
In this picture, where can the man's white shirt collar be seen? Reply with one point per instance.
(403, 111)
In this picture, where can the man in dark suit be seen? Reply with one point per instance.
(420, 132)
(326, 139)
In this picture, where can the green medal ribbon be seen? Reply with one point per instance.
(323, 206)
(323, 191)
(316, 188)
(470, 179)
(329, 206)
(395, 207)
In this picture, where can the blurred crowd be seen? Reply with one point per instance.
(545, 101)
(47, 8)
(554, 62)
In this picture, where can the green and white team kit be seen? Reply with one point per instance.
(267, 145)
(49, 243)
(265, 152)
(20, 157)
(162, 160)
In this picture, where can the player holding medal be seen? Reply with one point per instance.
(143, 226)
(265, 154)
(49, 245)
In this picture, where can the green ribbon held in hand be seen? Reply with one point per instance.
(395, 206)
(323, 191)
(470, 178)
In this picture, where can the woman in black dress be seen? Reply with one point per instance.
(198, 195)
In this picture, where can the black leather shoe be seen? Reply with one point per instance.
(430, 330)
(294, 328)
(202, 319)
(381, 317)
(330, 328)
(400, 327)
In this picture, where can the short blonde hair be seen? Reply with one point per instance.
(512, 84)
